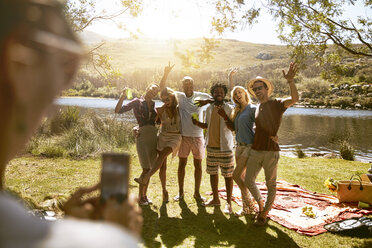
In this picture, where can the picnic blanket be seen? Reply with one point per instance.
(291, 198)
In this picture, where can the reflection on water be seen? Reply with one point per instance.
(322, 133)
(314, 130)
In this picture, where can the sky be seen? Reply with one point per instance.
(185, 19)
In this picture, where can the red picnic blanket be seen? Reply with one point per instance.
(291, 198)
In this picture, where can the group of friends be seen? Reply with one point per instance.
(39, 58)
(182, 121)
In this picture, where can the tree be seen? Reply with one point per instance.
(83, 13)
(308, 26)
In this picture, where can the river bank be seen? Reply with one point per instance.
(348, 103)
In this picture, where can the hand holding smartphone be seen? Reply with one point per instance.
(115, 176)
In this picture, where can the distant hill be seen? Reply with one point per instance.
(89, 37)
(129, 53)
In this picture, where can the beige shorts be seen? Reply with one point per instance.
(193, 144)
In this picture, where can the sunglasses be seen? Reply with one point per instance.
(257, 88)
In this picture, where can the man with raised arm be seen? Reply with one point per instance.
(192, 136)
(265, 150)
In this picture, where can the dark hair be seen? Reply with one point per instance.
(218, 85)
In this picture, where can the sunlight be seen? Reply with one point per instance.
(172, 20)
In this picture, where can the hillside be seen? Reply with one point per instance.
(140, 61)
(130, 54)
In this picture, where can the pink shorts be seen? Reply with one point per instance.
(194, 144)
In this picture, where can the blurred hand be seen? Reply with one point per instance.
(274, 138)
(84, 209)
(168, 68)
(126, 214)
(222, 113)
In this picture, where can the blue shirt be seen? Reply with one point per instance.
(243, 124)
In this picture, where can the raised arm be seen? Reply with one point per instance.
(292, 87)
(231, 80)
(167, 70)
(120, 102)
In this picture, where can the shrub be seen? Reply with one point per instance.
(298, 151)
(314, 87)
(343, 102)
(52, 151)
(87, 135)
(64, 120)
(346, 150)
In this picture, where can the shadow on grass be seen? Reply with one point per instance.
(204, 229)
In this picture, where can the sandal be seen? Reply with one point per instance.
(143, 202)
(148, 200)
(228, 209)
(210, 203)
(178, 197)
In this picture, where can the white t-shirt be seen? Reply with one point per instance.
(187, 107)
(20, 229)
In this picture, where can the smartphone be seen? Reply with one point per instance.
(115, 176)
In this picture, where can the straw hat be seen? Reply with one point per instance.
(270, 86)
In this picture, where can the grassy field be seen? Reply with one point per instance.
(187, 224)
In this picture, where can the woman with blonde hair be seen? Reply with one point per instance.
(169, 138)
(242, 122)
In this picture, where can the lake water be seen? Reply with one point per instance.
(314, 130)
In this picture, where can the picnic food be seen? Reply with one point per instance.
(331, 184)
(308, 211)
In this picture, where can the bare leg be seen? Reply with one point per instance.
(142, 187)
(197, 177)
(158, 163)
(239, 175)
(163, 175)
(229, 188)
(181, 176)
(215, 201)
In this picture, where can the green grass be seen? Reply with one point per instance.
(187, 224)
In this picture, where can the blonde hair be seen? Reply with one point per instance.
(238, 107)
(150, 85)
(169, 92)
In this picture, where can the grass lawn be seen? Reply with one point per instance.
(187, 224)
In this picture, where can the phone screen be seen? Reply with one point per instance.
(114, 176)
